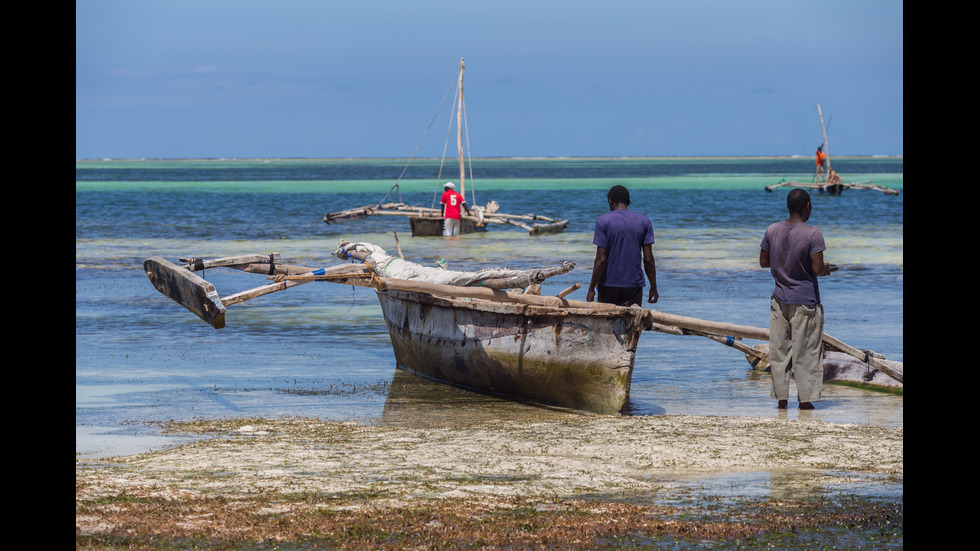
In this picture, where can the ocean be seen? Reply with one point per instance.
(322, 350)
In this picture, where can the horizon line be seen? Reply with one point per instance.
(510, 157)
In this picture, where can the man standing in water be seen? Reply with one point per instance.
(793, 250)
(451, 202)
(821, 163)
(623, 240)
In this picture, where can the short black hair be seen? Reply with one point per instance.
(618, 194)
(797, 200)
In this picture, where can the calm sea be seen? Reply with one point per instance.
(322, 350)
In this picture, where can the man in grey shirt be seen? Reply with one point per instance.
(793, 250)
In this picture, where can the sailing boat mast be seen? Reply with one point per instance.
(826, 148)
(459, 131)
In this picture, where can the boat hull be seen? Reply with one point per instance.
(556, 356)
(425, 226)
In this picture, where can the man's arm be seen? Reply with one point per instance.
(598, 268)
(818, 266)
(650, 267)
(764, 258)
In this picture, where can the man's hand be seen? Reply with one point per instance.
(654, 295)
(590, 296)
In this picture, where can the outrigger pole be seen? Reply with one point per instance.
(178, 283)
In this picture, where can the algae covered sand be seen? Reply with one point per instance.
(574, 482)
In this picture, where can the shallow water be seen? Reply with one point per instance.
(322, 350)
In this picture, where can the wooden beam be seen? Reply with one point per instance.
(187, 289)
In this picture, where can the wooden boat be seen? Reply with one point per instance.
(479, 336)
(428, 222)
(571, 356)
(826, 180)
(474, 332)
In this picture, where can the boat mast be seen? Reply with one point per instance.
(826, 148)
(459, 131)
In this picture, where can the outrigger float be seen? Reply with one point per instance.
(428, 221)
(489, 331)
(826, 180)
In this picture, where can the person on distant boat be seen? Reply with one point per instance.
(451, 203)
(793, 252)
(821, 163)
(624, 251)
(834, 186)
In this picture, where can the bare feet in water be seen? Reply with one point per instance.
(806, 405)
(781, 404)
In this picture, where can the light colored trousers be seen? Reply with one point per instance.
(796, 349)
(450, 227)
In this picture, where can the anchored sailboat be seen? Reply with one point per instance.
(428, 222)
(825, 179)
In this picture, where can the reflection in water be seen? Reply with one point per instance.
(417, 402)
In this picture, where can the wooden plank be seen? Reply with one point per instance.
(488, 294)
(286, 282)
(196, 264)
(187, 289)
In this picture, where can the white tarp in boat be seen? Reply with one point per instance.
(389, 266)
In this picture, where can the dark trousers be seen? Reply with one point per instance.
(621, 296)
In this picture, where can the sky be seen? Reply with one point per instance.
(570, 78)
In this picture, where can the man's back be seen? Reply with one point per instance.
(623, 233)
(790, 246)
(452, 201)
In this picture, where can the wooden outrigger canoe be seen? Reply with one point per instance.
(480, 335)
(428, 222)
(568, 356)
(825, 180)
(836, 188)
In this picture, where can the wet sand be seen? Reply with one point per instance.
(293, 468)
(574, 456)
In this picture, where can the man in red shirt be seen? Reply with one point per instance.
(451, 201)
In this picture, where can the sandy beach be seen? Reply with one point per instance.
(258, 477)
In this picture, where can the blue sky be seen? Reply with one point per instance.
(333, 79)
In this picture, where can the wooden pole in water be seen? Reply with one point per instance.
(826, 148)
(459, 131)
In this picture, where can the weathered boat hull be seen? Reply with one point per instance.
(554, 356)
(842, 368)
(425, 226)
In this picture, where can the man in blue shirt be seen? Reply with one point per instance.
(623, 240)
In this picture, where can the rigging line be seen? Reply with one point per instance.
(445, 145)
(424, 134)
(806, 145)
(469, 157)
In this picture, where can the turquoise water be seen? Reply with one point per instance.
(322, 350)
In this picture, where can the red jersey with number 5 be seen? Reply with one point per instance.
(453, 202)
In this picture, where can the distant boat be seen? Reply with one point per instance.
(826, 179)
(428, 222)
